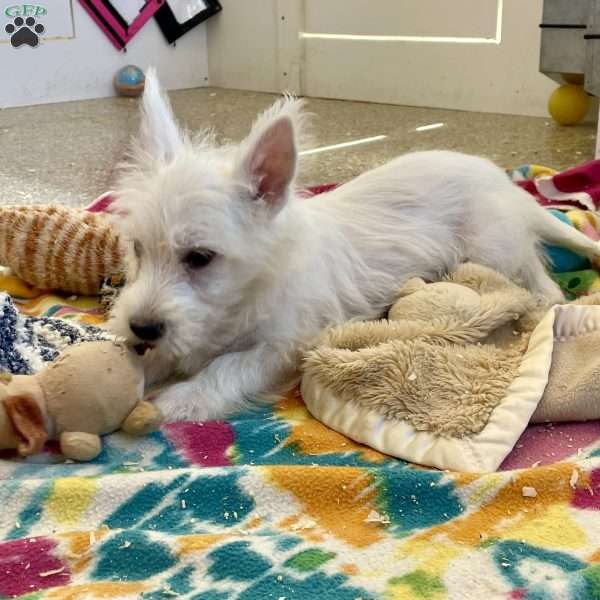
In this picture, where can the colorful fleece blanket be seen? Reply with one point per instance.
(273, 505)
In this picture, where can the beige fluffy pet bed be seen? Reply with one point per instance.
(461, 367)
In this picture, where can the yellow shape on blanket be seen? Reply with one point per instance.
(541, 171)
(292, 408)
(431, 557)
(425, 587)
(483, 488)
(43, 303)
(87, 591)
(581, 218)
(14, 286)
(339, 499)
(553, 529)
(70, 497)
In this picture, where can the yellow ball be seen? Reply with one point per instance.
(568, 104)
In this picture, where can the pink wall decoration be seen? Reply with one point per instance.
(112, 22)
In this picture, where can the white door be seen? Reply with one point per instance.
(480, 55)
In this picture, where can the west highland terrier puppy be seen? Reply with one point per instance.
(233, 274)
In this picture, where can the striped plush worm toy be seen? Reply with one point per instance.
(53, 247)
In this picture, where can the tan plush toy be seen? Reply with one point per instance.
(93, 388)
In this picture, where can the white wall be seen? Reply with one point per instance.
(242, 46)
(84, 67)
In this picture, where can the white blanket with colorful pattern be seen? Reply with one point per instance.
(273, 505)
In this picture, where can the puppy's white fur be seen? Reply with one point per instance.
(285, 266)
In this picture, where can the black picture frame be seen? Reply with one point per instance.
(173, 30)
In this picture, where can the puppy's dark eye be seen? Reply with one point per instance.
(197, 259)
(137, 248)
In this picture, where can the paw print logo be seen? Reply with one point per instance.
(24, 31)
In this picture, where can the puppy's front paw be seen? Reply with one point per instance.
(181, 402)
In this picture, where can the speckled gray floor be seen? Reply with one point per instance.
(68, 152)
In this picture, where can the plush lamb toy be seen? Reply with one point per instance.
(93, 388)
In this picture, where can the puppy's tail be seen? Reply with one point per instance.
(556, 232)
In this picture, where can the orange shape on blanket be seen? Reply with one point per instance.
(79, 553)
(18, 288)
(92, 320)
(87, 591)
(339, 499)
(349, 569)
(188, 544)
(312, 437)
(494, 517)
(594, 558)
(303, 527)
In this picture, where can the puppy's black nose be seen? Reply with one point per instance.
(149, 332)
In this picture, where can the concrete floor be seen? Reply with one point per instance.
(68, 152)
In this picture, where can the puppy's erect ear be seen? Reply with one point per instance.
(268, 157)
(27, 420)
(160, 135)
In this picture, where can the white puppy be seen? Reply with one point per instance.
(235, 275)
